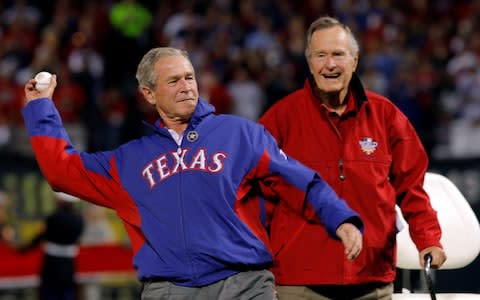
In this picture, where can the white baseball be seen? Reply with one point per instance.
(43, 80)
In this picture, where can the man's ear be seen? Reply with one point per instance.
(148, 95)
(356, 63)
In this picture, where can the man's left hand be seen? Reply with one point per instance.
(351, 238)
(438, 257)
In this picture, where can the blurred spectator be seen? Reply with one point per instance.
(85, 63)
(18, 42)
(130, 21)
(374, 80)
(60, 235)
(97, 231)
(180, 21)
(312, 9)
(9, 95)
(294, 45)
(113, 115)
(70, 98)
(97, 227)
(46, 56)
(463, 104)
(5, 132)
(211, 88)
(7, 233)
(21, 11)
(147, 111)
(130, 18)
(248, 97)
(262, 37)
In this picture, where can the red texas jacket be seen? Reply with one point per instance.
(372, 157)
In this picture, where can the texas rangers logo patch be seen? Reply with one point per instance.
(368, 145)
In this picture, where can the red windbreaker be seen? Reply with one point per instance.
(373, 158)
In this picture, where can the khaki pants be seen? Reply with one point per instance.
(341, 292)
(254, 285)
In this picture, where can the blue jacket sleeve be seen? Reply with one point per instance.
(77, 173)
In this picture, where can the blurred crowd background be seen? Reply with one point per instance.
(422, 54)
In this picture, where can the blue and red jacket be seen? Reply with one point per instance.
(193, 212)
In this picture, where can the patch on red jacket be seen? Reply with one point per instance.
(368, 145)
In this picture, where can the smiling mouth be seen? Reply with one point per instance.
(185, 100)
(331, 76)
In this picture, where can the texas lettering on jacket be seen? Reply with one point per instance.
(171, 163)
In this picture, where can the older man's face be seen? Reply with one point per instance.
(331, 60)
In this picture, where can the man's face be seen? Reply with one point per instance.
(176, 93)
(331, 60)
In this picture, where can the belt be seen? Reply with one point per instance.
(58, 250)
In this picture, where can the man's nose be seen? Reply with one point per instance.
(184, 85)
(330, 61)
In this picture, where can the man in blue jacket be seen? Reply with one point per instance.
(188, 194)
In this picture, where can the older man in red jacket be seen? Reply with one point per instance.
(367, 150)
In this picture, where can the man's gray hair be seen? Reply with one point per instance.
(329, 22)
(146, 75)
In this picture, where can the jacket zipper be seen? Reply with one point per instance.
(182, 210)
(341, 175)
(340, 167)
(182, 205)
